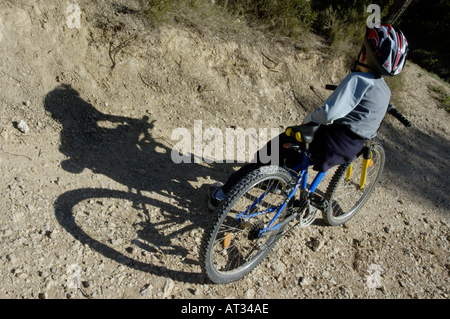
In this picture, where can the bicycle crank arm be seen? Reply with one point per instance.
(287, 220)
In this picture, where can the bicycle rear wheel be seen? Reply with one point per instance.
(235, 243)
(344, 194)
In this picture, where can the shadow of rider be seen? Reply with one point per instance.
(123, 149)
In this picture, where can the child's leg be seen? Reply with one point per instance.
(267, 149)
(217, 192)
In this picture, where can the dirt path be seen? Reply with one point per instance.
(92, 205)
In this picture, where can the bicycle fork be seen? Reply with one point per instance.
(367, 162)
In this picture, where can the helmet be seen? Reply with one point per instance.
(386, 49)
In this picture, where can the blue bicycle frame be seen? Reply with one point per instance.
(302, 182)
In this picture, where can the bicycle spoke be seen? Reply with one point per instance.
(234, 245)
(345, 195)
(231, 227)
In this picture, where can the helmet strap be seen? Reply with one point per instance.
(362, 64)
(354, 68)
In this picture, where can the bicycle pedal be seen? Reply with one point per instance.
(294, 203)
(318, 201)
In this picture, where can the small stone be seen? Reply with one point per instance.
(131, 250)
(374, 278)
(317, 244)
(4, 135)
(147, 292)
(11, 258)
(305, 281)
(279, 267)
(168, 287)
(18, 216)
(87, 284)
(198, 292)
(249, 294)
(43, 295)
(22, 126)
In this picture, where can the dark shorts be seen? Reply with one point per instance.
(334, 145)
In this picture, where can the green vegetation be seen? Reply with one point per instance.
(425, 23)
(440, 95)
(282, 17)
(341, 23)
(159, 9)
(288, 18)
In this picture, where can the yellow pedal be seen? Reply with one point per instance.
(227, 241)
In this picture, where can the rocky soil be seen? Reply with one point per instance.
(92, 205)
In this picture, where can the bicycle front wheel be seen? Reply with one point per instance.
(345, 194)
(239, 238)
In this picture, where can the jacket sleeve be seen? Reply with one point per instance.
(342, 101)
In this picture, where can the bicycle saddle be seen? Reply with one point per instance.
(303, 133)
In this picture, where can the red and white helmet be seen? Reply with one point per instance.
(386, 49)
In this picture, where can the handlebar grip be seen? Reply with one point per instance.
(399, 116)
(331, 87)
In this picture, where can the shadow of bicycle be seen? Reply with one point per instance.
(144, 220)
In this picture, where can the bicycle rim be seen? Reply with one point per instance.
(345, 195)
(237, 243)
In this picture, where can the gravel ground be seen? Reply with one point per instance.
(92, 205)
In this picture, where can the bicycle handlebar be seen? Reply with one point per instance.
(331, 87)
(399, 116)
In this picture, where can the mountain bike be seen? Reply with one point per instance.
(256, 212)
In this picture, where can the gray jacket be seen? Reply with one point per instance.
(359, 102)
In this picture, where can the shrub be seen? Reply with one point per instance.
(281, 17)
(343, 23)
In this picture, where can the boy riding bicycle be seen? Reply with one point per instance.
(350, 116)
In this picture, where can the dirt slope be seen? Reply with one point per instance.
(92, 205)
